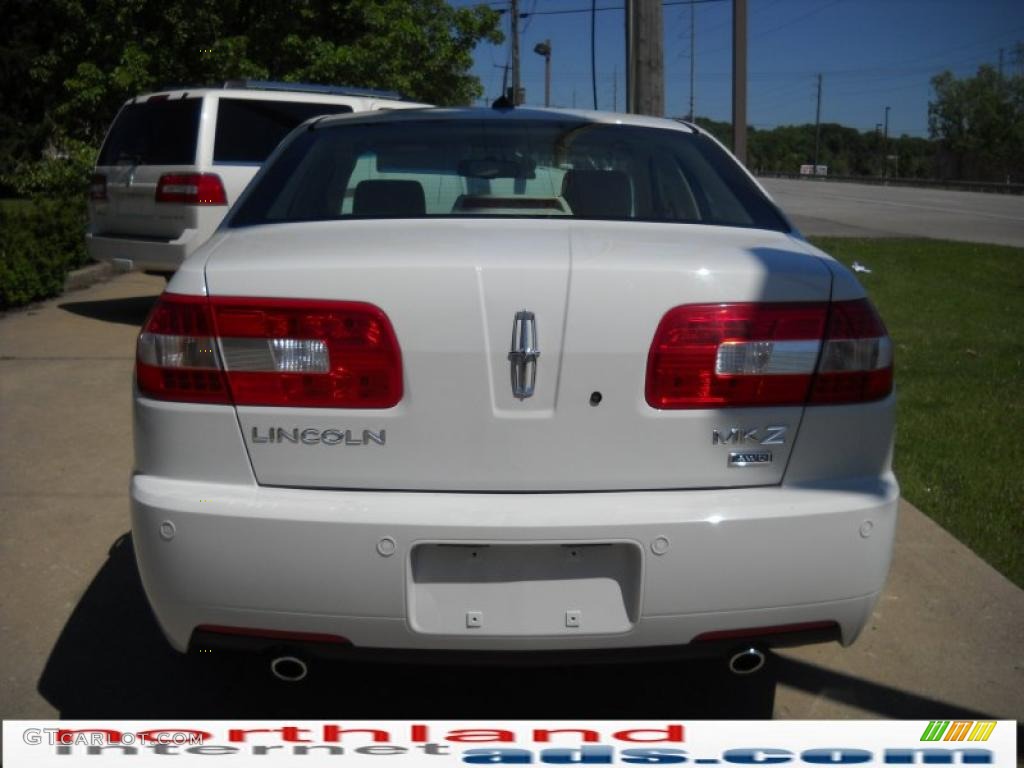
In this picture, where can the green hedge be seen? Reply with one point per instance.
(42, 237)
(40, 242)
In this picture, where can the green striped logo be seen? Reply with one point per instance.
(935, 730)
(958, 730)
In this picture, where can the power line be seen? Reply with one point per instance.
(777, 90)
(665, 4)
(529, 18)
(889, 71)
(760, 9)
(785, 24)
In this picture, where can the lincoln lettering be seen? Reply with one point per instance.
(311, 436)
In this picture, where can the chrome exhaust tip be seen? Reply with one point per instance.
(747, 662)
(289, 669)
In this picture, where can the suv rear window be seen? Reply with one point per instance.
(153, 133)
(248, 130)
(515, 167)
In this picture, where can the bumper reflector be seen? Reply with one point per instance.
(778, 629)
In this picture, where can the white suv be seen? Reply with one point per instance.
(174, 161)
(511, 380)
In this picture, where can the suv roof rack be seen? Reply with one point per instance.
(333, 90)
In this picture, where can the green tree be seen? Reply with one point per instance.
(24, 37)
(846, 151)
(915, 157)
(979, 122)
(80, 59)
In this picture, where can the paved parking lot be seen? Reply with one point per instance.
(77, 639)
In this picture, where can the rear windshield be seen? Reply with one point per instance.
(249, 129)
(516, 168)
(153, 133)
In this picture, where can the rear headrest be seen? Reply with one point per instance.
(598, 194)
(389, 198)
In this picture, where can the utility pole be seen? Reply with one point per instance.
(517, 96)
(593, 49)
(817, 127)
(693, 57)
(885, 145)
(739, 80)
(1000, 65)
(615, 90)
(878, 138)
(544, 49)
(645, 58)
(630, 85)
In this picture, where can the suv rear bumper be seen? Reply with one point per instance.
(151, 253)
(315, 561)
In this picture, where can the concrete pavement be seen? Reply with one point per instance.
(77, 639)
(840, 209)
(944, 641)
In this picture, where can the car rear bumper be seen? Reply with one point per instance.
(339, 563)
(215, 639)
(151, 253)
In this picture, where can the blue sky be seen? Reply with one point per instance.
(871, 53)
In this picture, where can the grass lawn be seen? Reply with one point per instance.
(956, 315)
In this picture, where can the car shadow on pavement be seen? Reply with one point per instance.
(883, 700)
(129, 311)
(112, 661)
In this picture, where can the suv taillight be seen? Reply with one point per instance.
(191, 189)
(283, 352)
(727, 355)
(98, 187)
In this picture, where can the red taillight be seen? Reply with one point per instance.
(727, 355)
(285, 352)
(191, 189)
(856, 360)
(176, 357)
(719, 355)
(98, 187)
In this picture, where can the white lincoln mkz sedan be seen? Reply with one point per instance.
(511, 382)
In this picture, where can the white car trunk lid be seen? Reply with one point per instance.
(453, 289)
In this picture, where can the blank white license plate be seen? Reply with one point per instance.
(524, 589)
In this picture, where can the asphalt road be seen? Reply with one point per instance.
(78, 640)
(864, 210)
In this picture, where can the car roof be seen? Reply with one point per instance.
(271, 93)
(456, 114)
